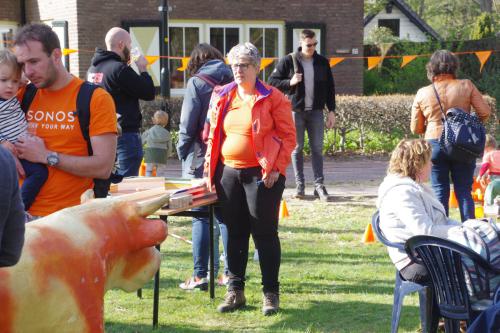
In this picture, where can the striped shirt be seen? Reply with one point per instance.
(12, 120)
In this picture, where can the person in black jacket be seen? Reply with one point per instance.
(111, 71)
(12, 216)
(306, 77)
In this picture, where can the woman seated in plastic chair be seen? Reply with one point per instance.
(408, 207)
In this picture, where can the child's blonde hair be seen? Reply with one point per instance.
(9, 59)
(409, 157)
(490, 142)
(160, 118)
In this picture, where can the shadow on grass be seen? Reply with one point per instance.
(370, 287)
(113, 327)
(343, 317)
(313, 230)
(329, 258)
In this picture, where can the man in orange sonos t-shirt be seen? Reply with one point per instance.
(58, 140)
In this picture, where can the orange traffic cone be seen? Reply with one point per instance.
(475, 185)
(453, 203)
(283, 210)
(479, 195)
(368, 237)
(142, 169)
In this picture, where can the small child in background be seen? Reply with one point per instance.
(158, 145)
(490, 167)
(13, 124)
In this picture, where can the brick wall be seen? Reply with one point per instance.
(51, 10)
(10, 10)
(343, 21)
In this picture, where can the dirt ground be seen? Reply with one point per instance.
(353, 178)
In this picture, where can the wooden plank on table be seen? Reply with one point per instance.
(142, 195)
(131, 185)
(207, 199)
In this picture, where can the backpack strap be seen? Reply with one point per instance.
(29, 95)
(207, 78)
(294, 61)
(83, 110)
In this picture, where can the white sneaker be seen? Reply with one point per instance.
(195, 283)
(223, 280)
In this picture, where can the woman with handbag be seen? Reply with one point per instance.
(429, 107)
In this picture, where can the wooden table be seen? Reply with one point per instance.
(158, 186)
(209, 200)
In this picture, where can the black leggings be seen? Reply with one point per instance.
(248, 207)
(417, 273)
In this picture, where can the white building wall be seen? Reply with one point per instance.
(407, 30)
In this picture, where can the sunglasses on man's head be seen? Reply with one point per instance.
(311, 45)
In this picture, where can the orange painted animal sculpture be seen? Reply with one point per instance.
(71, 258)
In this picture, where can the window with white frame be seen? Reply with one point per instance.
(224, 37)
(268, 39)
(183, 37)
(182, 40)
(6, 36)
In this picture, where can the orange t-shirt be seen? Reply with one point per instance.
(51, 118)
(237, 148)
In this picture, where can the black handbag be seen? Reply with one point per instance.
(463, 135)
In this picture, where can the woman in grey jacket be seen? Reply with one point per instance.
(207, 69)
(408, 207)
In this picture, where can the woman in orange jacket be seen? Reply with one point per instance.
(426, 118)
(250, 142)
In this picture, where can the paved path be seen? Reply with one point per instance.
(344, 177)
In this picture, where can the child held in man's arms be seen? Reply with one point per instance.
(158, 143)
(13, 125)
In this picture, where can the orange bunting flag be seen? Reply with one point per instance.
(68, 51)
(407, 60)
(185, 61)
(152, 59)
(483, 57)
(335, 61)
(265, 62)
(373, 62)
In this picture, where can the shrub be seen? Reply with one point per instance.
(365, 124)
(483, 28)
(379, 121)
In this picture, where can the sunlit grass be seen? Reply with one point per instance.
(330, 282)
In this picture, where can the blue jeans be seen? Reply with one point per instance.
(200, 233)
(36, 175)
(201, 241)
(313, 122)
(129, 153)
(462, 174)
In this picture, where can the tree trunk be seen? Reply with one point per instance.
(343, 133)
(421, 8)
(485, 5)
(362, 137)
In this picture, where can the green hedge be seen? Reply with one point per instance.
(365, 124)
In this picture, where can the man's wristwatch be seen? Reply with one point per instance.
(52, 159)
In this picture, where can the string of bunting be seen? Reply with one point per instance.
(373, 61)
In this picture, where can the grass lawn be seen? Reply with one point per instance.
(330, 282)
